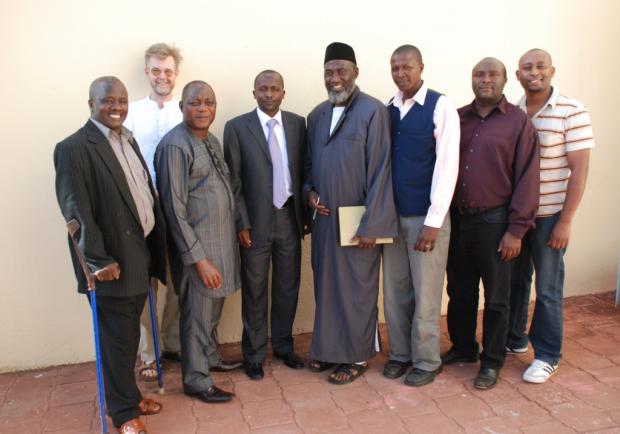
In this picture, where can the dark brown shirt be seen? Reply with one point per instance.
(499, 164)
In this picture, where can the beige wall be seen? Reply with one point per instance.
(54, 49)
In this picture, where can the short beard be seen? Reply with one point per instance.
(342, 96)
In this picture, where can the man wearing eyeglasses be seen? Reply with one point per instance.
(150, 119)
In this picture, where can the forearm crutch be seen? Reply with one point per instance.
(73, 226)
(152, 310)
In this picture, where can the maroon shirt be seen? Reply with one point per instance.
(499, 164)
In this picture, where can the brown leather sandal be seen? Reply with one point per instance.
(149, 407)
(133, 426)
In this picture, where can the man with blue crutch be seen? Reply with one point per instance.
(102, 183)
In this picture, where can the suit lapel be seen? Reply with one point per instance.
(253, 124)
(104, 149)
(289, 134)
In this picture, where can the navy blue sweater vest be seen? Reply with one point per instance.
(413, 156)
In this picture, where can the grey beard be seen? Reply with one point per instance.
(341, 97)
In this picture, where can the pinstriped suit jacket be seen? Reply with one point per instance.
(199, 207)
(91, 187)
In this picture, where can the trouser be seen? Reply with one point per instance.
(412, 290)
(169, 339)
(473, 256)
(283, 248)
(547, 322)
(119, 333)
(200, 316)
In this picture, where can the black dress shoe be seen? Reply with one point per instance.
(254, 370)
(212, 395)
(290, 359)
(455, 356)
(419, 377)
(226, 366)
(394, 369)
(486, 379)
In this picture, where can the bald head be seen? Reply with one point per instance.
(189, 87)
(491, 62)
(108, 102)
(269, 73)
(411, 50)
(535, 73)
(488, 79)
(198, 105)
(101, 84)
(538, 52)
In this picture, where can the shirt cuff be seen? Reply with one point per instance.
(194, 255)
(517, 230)
(434, 221)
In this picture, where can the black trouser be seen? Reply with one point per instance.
(283, 248)
(119, 335)
(473, 256)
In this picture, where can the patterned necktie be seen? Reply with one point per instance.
(279, 186)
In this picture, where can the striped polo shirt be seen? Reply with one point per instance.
(563, 125)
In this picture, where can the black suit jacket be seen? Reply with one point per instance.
(247, 154)
(91, 188)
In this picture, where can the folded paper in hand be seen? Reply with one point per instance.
(350, 217)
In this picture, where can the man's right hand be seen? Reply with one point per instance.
(208, 274)
(244, 238)
(109, 272)
(315, 205)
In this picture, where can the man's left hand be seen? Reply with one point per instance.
(365, 243)
(559, 236)
(426, 239)
(509, 247)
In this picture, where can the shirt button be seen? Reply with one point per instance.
(128, 232)
(464, 184)
(398, 133)
(476, 135)
(466, 167)
(481, 121)
(471, 150)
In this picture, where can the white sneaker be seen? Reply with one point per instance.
(514, 350)
(539, 372)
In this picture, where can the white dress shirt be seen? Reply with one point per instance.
(279, 132)
(447, 137)
(149, 124)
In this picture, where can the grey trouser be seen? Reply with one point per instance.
(200, 317)
(412, 290)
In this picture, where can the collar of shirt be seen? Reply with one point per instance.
(552, 101)
(502, 106)
(264, 118)
(405, 105)
(419, 97)
(172, 101)
(125, 132)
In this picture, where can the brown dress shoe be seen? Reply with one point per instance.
(149, 407)
(133, 426)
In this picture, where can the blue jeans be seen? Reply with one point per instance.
(546, 328)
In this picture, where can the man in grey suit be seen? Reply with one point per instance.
(264, 150)
(103, 183)
(194, 187)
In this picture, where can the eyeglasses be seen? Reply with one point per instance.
(167, 72)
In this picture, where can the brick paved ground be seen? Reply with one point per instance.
(584, 396)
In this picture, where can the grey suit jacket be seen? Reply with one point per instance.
(199, 207)
(91, 188)
(248, 158)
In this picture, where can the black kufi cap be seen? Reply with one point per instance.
(339, 51)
